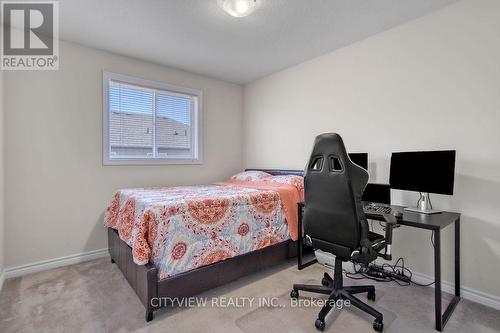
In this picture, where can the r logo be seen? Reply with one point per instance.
(36, 23)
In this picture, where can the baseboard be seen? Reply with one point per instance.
(54, 263)
(467, 293)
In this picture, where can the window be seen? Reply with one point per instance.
(146, 122)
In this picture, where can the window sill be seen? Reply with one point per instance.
(152, 162)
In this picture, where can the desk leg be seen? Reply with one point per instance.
(300, 246)
(442, 319)
(437, 279)
(457, 258)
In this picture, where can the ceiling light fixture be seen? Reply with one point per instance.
(238, 8)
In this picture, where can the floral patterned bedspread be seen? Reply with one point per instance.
(182, 228)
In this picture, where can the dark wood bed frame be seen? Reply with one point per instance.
(144, 279)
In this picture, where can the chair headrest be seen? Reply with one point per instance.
(326, 146)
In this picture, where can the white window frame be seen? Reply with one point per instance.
(196, 124)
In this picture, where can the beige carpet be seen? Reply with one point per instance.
(94, 297)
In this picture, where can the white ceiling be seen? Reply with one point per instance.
(197, 36)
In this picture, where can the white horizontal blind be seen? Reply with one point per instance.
(147, 123)
(130, 121)
(173, 125)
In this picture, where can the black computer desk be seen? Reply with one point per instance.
(435, 223)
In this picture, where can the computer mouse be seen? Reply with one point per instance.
(397, 214)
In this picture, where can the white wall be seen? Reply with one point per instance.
(432, 83)
(56, 186)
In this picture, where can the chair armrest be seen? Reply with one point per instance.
(391, 222)
(390, 219)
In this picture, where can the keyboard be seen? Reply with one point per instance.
(374, 208)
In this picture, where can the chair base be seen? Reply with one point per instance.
(335, 288)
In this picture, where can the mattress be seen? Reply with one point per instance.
(182, 228)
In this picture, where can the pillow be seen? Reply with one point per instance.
(251, 176)
(296, 181)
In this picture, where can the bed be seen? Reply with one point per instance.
(180, 241)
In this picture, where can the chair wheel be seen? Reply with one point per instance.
(325, 282)
(294, 294)
(378, 326)
(320, 324)
(371, 296)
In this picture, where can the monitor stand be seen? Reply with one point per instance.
(424, 205)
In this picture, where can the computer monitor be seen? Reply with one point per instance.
(424, 172)
(378, 193)
(360, 159)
